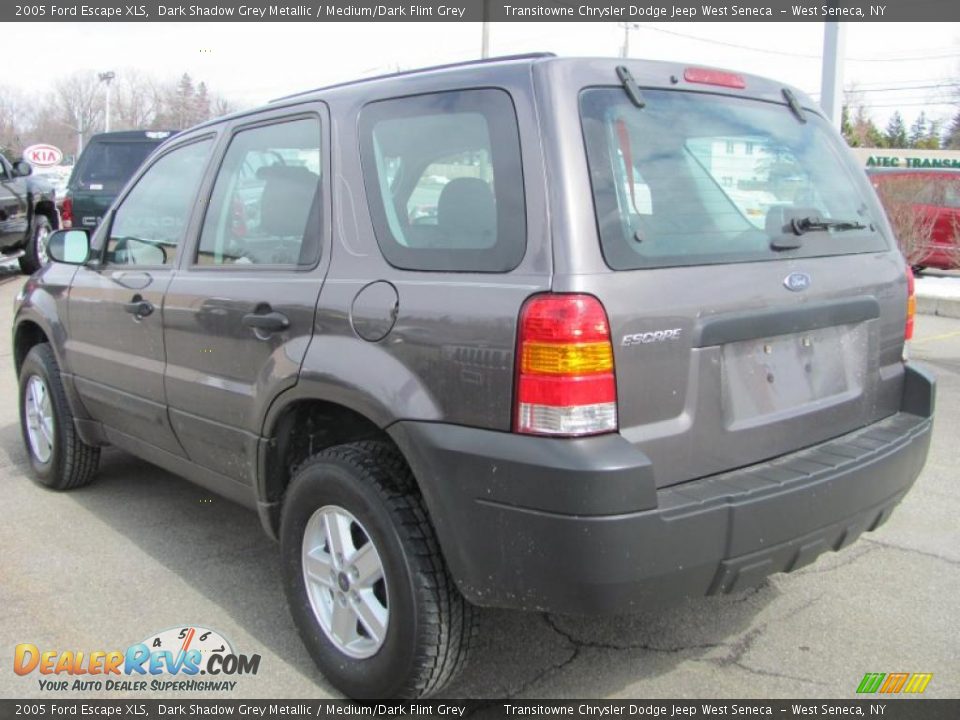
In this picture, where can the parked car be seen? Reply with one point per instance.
(106, 164)
(544, 400)
(932, 198)
(28, 213)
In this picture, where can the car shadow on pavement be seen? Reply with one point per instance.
(221, 551)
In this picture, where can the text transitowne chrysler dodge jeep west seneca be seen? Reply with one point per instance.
(547, 334)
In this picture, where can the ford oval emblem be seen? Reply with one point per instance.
(796, 281)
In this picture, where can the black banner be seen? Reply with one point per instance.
(482, 10)
(881, 709)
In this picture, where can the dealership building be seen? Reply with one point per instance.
(908, 158)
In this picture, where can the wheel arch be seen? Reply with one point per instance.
(27, 334)
(296, 427)
(48, 209)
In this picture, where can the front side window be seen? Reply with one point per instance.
(723, 180)
(149, 224)
(266, 202)
(444, 179)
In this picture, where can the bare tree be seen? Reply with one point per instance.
(15, 116)
(77, 102)
(905, 199)
(136, 100)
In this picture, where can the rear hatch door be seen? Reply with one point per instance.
(755, 303)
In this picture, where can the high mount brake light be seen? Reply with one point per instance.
(565, 380)
(705, 76)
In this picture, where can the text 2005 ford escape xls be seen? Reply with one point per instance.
(537, 333)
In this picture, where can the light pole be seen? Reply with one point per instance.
(107, 77)
(485, 31)
(831, 82)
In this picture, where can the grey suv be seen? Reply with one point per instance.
(546, 334)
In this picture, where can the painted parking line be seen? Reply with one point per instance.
(934, 338)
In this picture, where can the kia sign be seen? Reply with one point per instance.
(43, 155)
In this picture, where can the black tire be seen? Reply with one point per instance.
(33, 255)
(431, 626)
(72, 463)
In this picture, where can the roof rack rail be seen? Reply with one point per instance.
(414, 71)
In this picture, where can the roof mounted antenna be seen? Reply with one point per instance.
(630, 86)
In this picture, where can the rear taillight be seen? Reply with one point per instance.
(911, 305)
(565, 380)
(66, 213)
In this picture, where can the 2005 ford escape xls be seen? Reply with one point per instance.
(545, 334)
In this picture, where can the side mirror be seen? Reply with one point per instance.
(69, 246)
(21, 168)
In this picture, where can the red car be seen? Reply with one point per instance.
(924, 208)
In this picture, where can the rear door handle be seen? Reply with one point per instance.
(269, 321)
(138, 307)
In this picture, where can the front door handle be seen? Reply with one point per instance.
(268, 322)
(138, 307)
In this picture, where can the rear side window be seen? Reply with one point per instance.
(265, 207)
(108, 165)
(444, 180)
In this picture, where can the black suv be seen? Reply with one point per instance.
(28, 214)
(504, 334)
(105, 165)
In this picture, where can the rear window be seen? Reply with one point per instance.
(693, 178)
(444, 180)
(107, 165)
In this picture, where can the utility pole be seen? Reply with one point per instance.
(107, 77)
(831, 82)
(627, 27)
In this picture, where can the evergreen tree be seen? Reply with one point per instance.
(896, 134)
(865, 132)
(952, 139)
(847, 129)
(931, 141)
(183, 99)
(201, 104)
(918, 131)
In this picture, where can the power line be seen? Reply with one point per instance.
(786, 53)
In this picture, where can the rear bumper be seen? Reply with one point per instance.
(578, 527)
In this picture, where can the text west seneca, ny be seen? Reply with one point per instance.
(310, 11)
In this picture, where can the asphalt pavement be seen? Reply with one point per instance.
(141, 550)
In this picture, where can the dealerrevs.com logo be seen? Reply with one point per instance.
(171, 660)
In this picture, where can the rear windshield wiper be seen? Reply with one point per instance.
(810, 224)
(801, 226)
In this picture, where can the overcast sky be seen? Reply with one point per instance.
(253, 62)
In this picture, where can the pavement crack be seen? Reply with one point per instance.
(848, 559)
(770, 673)
(575, 648)
(913, 551)
(739, 649)
(619, 647)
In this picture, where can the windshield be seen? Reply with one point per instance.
(693, 178)
(108, 165)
